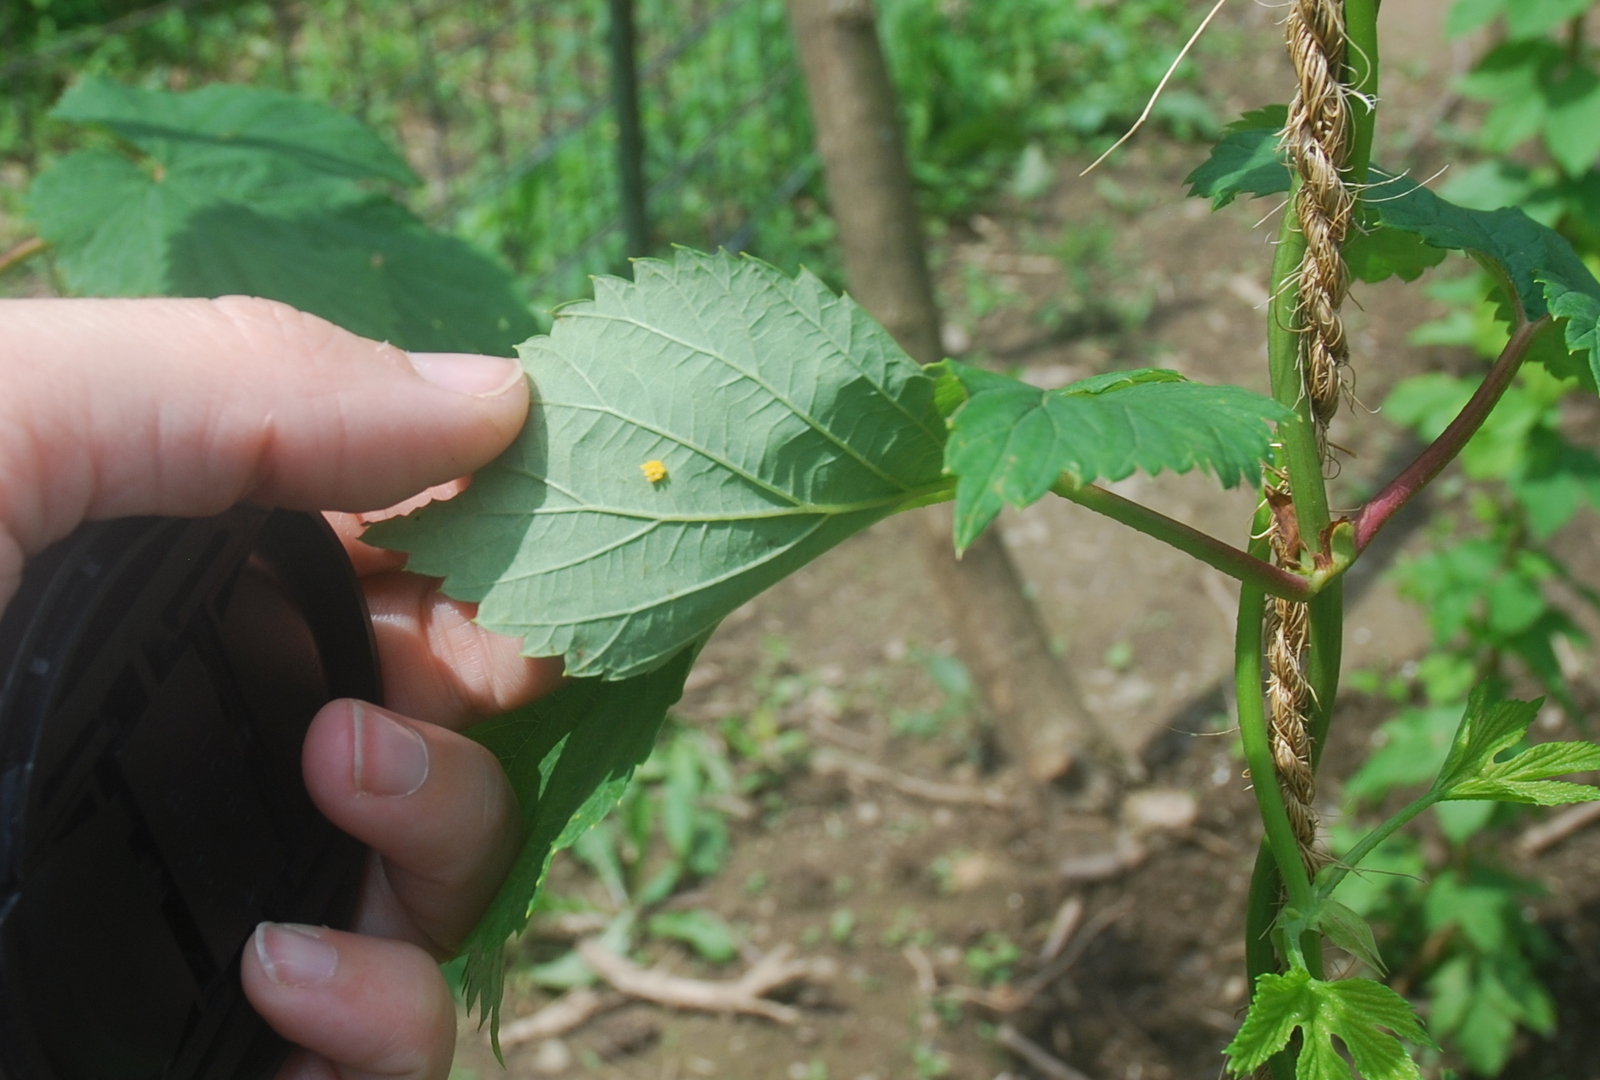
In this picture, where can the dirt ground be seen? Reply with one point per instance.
(1152, 984)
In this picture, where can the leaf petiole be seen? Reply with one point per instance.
(1329, 879)
(1237, 564)
(1443, 450)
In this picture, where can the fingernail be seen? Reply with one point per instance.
(295, 955)
(466, 373)
(388, 758)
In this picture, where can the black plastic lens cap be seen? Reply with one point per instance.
(157, 676)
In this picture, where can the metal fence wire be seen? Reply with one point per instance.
(509, 111)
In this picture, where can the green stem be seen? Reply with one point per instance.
(1261, 911)
(1353, 857)
(1326, 653)
(1301, 455)
(1208, 549)
(1361, 73)
(1247, 654)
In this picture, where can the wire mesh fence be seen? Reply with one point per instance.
(507, 110)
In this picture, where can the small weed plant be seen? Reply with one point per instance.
(712, 425)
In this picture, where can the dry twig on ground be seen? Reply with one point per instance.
(742, 995)
(1037, 1057)
(566, 1013)
(1550, 832)
(827, 762)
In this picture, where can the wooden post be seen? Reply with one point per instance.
(1042, 722)
(630, 131)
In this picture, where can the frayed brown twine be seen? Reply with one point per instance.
(1289, 700)
(1317, 140)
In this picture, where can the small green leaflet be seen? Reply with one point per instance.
(1534, 263)
(1349, 931)
(1009, 442)
(569, 757)
(1368, 1018)
(229, 189)
(1245, 161)
(696, 435)
(1488, 729)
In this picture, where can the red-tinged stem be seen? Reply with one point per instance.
(1443, 450)
(1270, 579)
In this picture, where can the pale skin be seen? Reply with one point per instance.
(185, 407)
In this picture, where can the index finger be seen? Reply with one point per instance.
(185, 407)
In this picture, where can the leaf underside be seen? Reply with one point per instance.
(775, 418)
(1535, 264)
(233, 190)
(569, 757)
(1009, 442)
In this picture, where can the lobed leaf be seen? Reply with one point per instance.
(1368, 1018)
(1490, 728)
(1246, 161)
(1009, 442)
(569, 757)
(782, 420)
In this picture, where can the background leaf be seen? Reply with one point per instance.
(1537, 264)
(569, 757)
(236, 190)
(1009, 442)
(785, 418)
(247, 129)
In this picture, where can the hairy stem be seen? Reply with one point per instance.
(1443, 450)
(1247, 657)
(1335, 874)
(1237, 564)
(1323, 661)
(1361, 31)
(1301, 457)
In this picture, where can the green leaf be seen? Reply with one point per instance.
(249, 129)
(1350, 932)
(1490, 728)
(782, 418)
(1529, 18)
(1535, 263)
(1410, 749)
(1247, 160)
(569, 757)
(1368, 1018)
(259, 195)
(1467, 15)
(1579, 310)
(1009, 442)
(1377, 253)
(703, 931)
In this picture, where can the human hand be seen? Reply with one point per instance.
(185, 407)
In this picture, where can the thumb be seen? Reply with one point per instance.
(184, 407)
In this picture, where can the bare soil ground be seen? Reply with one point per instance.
(1152, 985)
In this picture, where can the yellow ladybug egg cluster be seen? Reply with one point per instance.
(654, 471)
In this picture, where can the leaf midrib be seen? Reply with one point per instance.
(702, 350)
